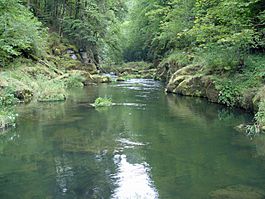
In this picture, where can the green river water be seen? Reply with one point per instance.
(152, 145)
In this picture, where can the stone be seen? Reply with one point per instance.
(211, 93)
(120, 79)
(100, 79)
(174, 83)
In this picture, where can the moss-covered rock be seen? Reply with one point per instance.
(100, 79)
(211, 92)
(246, 99)
(186, 81)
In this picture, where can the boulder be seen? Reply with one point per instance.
(191, 86)
(211, 92)
(246, 100)
(120, 79)
(174, 82)
(100, 79)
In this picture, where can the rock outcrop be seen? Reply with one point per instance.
(188, 81)
(191, 81)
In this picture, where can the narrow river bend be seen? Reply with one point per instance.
(152, 145)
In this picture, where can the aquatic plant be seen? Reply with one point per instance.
(102, 102)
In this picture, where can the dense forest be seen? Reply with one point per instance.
(222, 33)
(92, 26)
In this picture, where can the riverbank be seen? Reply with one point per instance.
(242, 87)
(43, 80)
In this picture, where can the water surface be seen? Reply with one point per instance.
(150, 145)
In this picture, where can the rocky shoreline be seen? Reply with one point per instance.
(193, 80)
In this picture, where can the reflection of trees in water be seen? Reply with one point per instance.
(198, 110)
(260, 145)
(83, 176)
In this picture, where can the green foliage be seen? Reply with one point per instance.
(260, 115)
(50, 90)
(7, 97)
(92, 25)
(74, 81)
(228, 93)
(218, 58)
(220, 33)
(7, 115)
(180, 57)
(7, 118)
(253, 130)
(20, 32)
(102, 102)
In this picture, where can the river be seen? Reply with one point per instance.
(150, 145)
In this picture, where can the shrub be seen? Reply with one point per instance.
(7, 115)
(218, 57)
(180, 57)
(228, 93)
(7, 97)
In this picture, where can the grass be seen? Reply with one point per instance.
(102, 102)
(74, 81)
(50, 90)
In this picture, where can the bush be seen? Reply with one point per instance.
(7, 97)
(7, 115)
(218, 57)
(180, 57)
(228, 93)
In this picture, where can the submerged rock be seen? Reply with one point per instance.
(238, 192)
